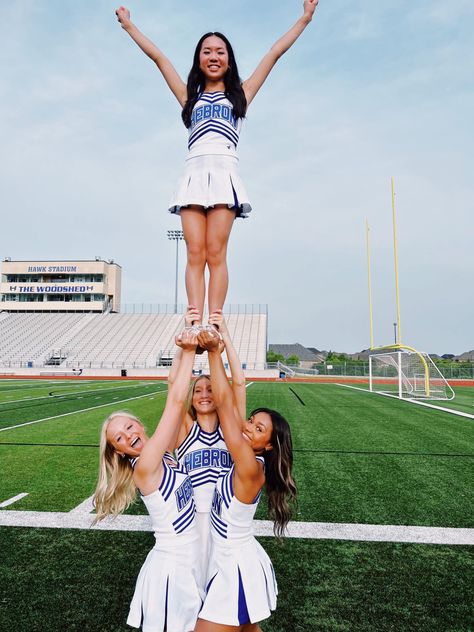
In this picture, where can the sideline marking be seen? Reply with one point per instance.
(12, 500)
(306, 530)
(411, 401)
(297, 396)
(249, 384)
(82, 410)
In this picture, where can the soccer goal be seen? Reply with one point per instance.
(400, 370)
(408, 374)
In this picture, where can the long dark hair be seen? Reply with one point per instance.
(197, 83)
(280, 486)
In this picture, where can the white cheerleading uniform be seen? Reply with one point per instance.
(168, 594)
(241, 585)
(211, 175)
(204, 456)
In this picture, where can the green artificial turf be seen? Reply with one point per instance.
(73, 580)
(51, 401)
(358, 457)
(464, 400)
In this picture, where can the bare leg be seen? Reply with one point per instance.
(207, 626)
(251, 627)
(193, 220)
(219, 224)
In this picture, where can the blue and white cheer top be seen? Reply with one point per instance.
(214, 128)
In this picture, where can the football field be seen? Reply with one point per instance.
(398, 476)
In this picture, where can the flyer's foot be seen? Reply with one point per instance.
(213, 329)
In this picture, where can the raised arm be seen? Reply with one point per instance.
(192, 314)
(172, 78)
(253, 84)
(149, 469)
(237, 374)
(248, 470)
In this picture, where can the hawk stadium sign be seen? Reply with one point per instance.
(60, 286)
(50, 269)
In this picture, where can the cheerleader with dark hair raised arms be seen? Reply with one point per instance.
(211, 194)
(241, 587)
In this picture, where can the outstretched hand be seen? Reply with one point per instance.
(210, 341)
(309, 7)
(123, 16)
(217, 319)
(187, 340)
(191, 316)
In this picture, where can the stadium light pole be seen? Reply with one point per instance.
(176, 235)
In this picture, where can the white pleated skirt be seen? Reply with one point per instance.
(211, 180)
(167, 593)
(241, 585)
(203, 527)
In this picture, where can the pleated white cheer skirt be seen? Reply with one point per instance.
(210, 180)
(167, 593)
(203, 527)
(242, 587)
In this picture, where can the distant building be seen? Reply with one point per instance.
(307, 357)
(60, 286)
(468, 356)
(317, 352)
(361, 355)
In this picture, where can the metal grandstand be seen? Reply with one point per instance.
(141, 337)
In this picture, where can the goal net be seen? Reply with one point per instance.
(407, 373)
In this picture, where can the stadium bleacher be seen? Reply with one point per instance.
(111, 340)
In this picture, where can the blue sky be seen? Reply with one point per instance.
(92, 146)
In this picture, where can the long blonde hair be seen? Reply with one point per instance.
(189, 399)
(115, 489)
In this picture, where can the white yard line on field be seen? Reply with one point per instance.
(12, 500)
(43, 383)
(82, 410)
(411, 401)
(306, 530)
(84, 391)
(86, 507)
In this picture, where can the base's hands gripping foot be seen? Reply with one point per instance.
(212, 329)
(211, 340)
(217, 321)
(192, 319)
(187, 340)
